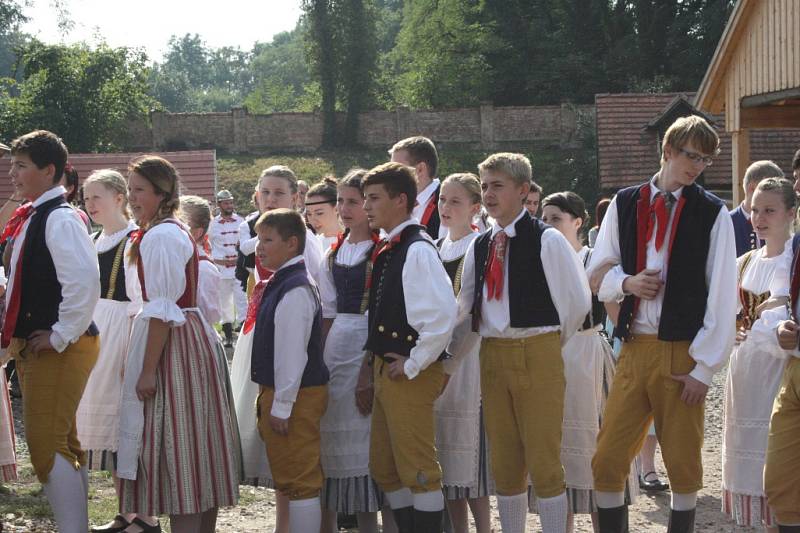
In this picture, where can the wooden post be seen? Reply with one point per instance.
(740, 159)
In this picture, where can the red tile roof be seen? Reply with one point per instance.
(627, 154)
(197, 169)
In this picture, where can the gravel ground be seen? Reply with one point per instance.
(24, 509)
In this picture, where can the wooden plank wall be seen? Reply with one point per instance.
(766, 58)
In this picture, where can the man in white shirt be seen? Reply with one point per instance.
(223, 234)
(420, 154)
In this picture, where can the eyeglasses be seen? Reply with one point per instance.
(694, 157)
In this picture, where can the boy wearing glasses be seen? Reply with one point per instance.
(672, 247)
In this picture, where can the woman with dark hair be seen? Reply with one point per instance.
(599, 213)
(589, 369)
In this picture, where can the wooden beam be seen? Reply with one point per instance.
(768, 98)
(768, 117)
(740, 159)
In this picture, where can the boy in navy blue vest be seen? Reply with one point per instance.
(672, 247)
(54, 285)
(411, 316)
(287, 364)
(528, 294)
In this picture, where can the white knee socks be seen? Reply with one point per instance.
(553, 513)
(67, 496)
(429, 501)
(513, 512)
(305, 515)
(398, 499)
(684, 502)
(609, 500)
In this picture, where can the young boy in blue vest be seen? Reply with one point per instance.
(53, 287)
(411, 316)
(673, 250)
(528, 294)
(287, 364)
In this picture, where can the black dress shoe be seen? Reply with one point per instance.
(681, 521)
(652, 486)
(788, 529)
(119, 520)
(145, 527)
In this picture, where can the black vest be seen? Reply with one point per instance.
(686, 292)
(350, 283)
(389, 330)
(262, 359)
(434, 222)
(41, 290)
(245, 262)
(530, 304)
(106, 261)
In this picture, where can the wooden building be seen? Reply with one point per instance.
(754, 76)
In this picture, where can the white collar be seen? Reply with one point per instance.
(400, 227)
(655, 190)
(293, 261)
(427, 192)
(511, 229)
(49, 195)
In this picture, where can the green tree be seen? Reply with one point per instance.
(85, 95)
(322, 56)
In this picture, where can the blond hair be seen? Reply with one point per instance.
(280, 171)
(195, 212)
(469, 182)
(515, 166)
(782, 187)
(692, 129)
(113, 181)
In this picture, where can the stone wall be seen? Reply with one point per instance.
(484, 127)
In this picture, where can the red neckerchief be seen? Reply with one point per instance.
(14, 225)
(255, 303)
(339, 240)
(206, 244)
(428, 213)
(382, 246)
(495, 269)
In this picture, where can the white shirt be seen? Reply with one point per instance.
(423, 198)
(349, 254)
(223, 235)
(565, 279)
(312, 252)
(106, 242)
(712, 344)
(430, 304)
(77, 270)
(294, 319)
(208, 281)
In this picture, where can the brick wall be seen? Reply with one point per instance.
(240, 132)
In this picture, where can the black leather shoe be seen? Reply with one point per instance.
(613, 519)
(404, 517)
(655, 485)
(428, 521)
(788, 529)
(681, 522)
(115, 526)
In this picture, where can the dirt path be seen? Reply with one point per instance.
(24, 509)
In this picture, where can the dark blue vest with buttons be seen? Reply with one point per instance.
(350, 282)
(262, 362)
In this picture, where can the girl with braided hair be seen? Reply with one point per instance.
(177, 441)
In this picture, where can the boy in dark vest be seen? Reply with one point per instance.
(528, 294)
(673, 250)
(411, 315)
(53, 287)
(420, 154)
(783, 455)
(287, 364)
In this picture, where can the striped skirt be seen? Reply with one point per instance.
(188, 461)
(351, 495)
(746, 510)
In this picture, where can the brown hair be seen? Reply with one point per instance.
(114, 182)
(326, 189)
(782, 187)
(600, 211)
(760, 170)
(288, 223)
(44, 148)
(355, 179)
(280, 171)
(515, 166)
(420, 150)
(164, 178)
(396, 179)
(469, 182)
(195, 212)
(691, 129)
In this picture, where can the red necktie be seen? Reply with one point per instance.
(659, 216)
(12, 230)
(494, 274)
(255, 303)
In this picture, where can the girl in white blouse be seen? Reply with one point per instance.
(756, 364)
(321, 212)
(177, 441)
